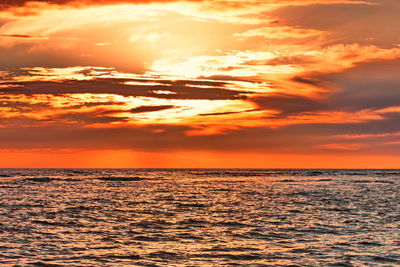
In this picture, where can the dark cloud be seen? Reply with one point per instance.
(306, 138)
(143, 109)
(374, 85)
(288, 104)
(25, 107)
(181, 89)
(227, 113)
(22, 106)
(63, 136)
(376, 24)
(94, 104)
(24, 36)
(88, 118)
(369, 86)
(308, 80)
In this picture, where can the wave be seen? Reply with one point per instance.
(121, 179)
(40, 179)
(45, 264)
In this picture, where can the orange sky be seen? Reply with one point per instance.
(234, 83)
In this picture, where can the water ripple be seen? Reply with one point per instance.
(140, 217)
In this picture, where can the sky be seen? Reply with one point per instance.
(200, 83)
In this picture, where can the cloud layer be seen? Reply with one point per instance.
(293, 77)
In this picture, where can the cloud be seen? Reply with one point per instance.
(226, 113)
(115, 86)
(22, 36)
(87, 118)
(373, 24)
(373, 85)
(341, 147)
(306, 138)
(317, 76)
(142, 109)
(288, 104)
(233, 3)
(284, 32)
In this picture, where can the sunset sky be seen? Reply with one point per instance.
(200, 83)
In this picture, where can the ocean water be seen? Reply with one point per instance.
(199, 217)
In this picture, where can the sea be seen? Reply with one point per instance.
(199, 217)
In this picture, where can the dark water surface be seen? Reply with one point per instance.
(203, 217)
